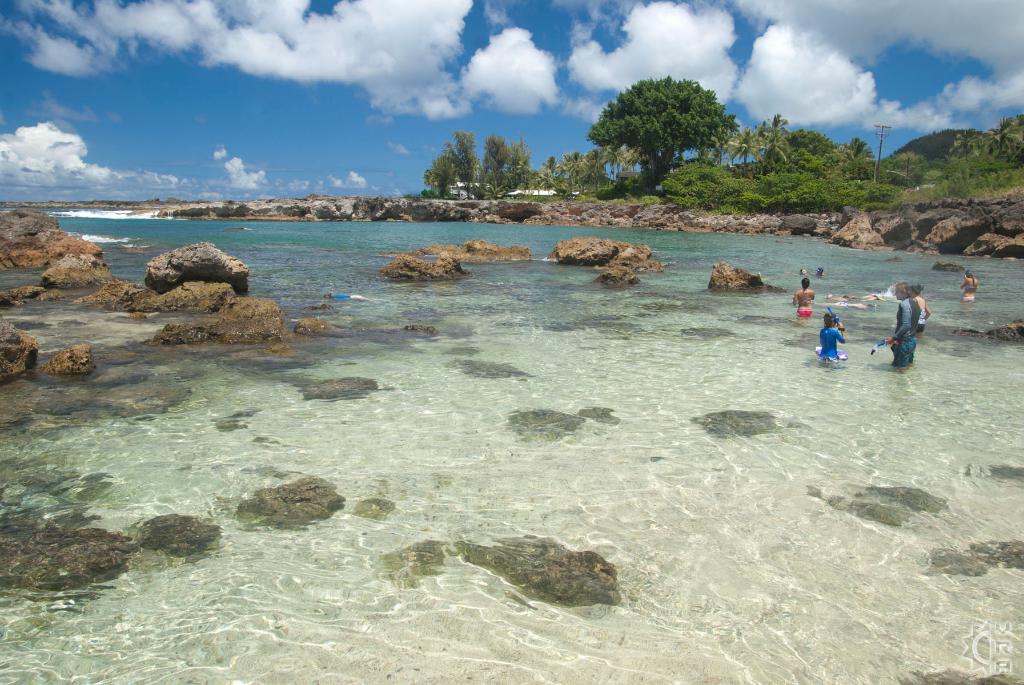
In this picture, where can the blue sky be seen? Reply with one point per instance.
(250, 98)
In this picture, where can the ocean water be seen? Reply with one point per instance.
(730, 571)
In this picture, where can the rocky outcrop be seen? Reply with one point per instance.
(406, 267)
(294, 504)
(18, 351)
(725, 276)
(618, 277)
(197, 262)
(1011, 332)
(799, 224)
(74, 361)
(15, 297)
(177, 535)
(30, 239)
(312, 327)
(604, 252)
(193, 296)
(859, 233)
(76, 271)
(245, 320)
(948, 266)
(994, 245)
(478, 251)
(548, 571)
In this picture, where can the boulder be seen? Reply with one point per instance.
(197, 262)
(15, 297)
(548, 571)
(603, 252)
(311, 326)
(955, 234)
(74, 361)
(193, 296)
(406, 267)
(799, 224)
(177, 535)
(30, 239)
(858, 233)
(725, 276)
(477, 251)
(18, 351)
(244, 320)
(294, 504)
(617, 277)
(76, 271)
(116, 294)
(1010, 249)
(947, 266)
(39, 556)
(986, 244)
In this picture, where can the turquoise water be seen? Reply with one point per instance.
(730, 572)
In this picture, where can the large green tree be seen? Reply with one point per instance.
(662, 120)
(466, 163)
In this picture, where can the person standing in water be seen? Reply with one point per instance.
(969, 286)
(903, 340)
(830, 337)
(926, 313)
(804, 299)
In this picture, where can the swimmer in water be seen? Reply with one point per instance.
(969, 286)
(926, 313)
(804, 299)
(340, 296)
(820, 273)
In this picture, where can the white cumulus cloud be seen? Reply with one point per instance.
(398, 149)
(512, 74)
(662, 39)
(352, 180)
(220, 153)
(241, 179)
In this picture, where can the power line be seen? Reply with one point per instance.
(880, 132)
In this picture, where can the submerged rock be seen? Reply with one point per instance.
(482, 369)
(39, 556)
(725, 276)
(197, 262)
(311, 327)
(871, 511)
(599, 414)
(74, 361)
(914, 499)
(1011, 332)
(245, 320)
(947, 266)
(1009, 554)
(618, 277)
(954, 563)
(15, 297)
(737, 422)
(548, 571)
(76, 271)
(958, 678)
(544, 424)
(18, 351)
(406, 267)
(349, 388)
(1006, 472)
(177, 535)
(407, 565)
(298, 503)
(706, 332)
(375, 508)
(477, 251)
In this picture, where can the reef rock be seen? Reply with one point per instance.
(39, 556)
(245, 321)
(76, 271)
(548, 571)
(30, 239)
(349, 388)
(482, 369)
(298, 503)
(958, 678)
(177, 535)
(737, 423)
(18, 351)
(406, 267)
(1011, 332)
(478, 251)
(311, 327)
(618, 277)
(725, 276)
(948, 266)
(74, 361)
(544, 424)
(604, 252)
(374, 508)
(15, 297)
(197, 262)
(600, 415)
(407, 565)
(859, 233)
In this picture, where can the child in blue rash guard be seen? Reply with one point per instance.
(830, 337)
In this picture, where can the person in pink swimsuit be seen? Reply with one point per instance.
(804, 299)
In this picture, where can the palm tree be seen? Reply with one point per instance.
(1005, 138)
(969, 142)
(746, 145)
(774, 144)
(856, 150)
(570, 170)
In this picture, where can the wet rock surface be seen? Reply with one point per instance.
(914, 499)
(178, 535)
(74, 361)
(618, 277)
(1011, 332)
(18, 351)
(406, 267)
(196, 262)
(978, 558)
(483, 369)
(43, 556)
(1006, 472)
(31, 239)
(407, 565)
(604, 252)
(374, 508)
(76, 271)
(347, 388)
(947, 266)
(726, 277)
(600, 415)
(544, 424)
(546, 570)
(294, 504)
(892, 506)
(958, 678)
(244, 321)
(479, 251)
(312, 327)
(737, 423)
(954, 563)
(15, 297)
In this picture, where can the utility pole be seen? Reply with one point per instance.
(880, 132)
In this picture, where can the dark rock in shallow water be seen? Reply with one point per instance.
(548, 571)
(737, 422)
(350, 388)
(707, 333)
(954, 563)
(599, 414)
(293, 504)
(1005, 472)
(957, 678)
(376, 508)
(228, 425)
(871, 511)
(407, 565)
(544, 424)
(47, 557)
(1011, 332)
(464, 351)
(914, 499)
(1009, 554)
(177, 535)
(947, 266)
(482, 369)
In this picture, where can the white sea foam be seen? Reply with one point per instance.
(105, 214)
(102, 238)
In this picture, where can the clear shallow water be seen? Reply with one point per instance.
(730, 572)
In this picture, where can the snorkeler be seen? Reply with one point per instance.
(830, 336)
(820, 273)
